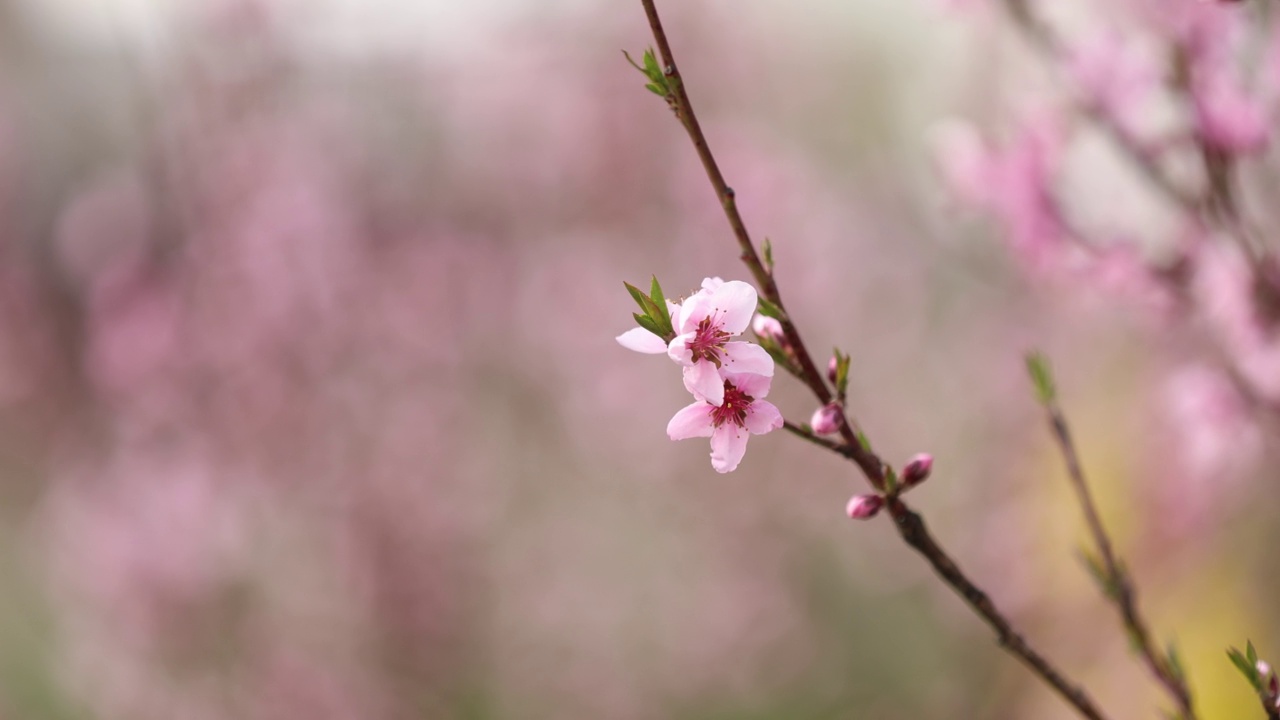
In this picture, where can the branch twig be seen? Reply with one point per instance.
(908, 523)
(1119, 587)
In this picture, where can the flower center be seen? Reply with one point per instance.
(734, 409)
(708, 340)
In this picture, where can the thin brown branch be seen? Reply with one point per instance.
(871, 465)
(912, 529)
(1119, 586)
(909, 524)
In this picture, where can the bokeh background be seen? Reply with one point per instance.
(310, 405)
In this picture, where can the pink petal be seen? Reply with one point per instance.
(712, 284)
(728, 445)
(642, 340)
(692, 311)
(703, 380)
(690, 421)
(757, 386)
(745, 357)
(762, 417)
(734, 304)
(679, 349)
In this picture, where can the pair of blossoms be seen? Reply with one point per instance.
(727, 378)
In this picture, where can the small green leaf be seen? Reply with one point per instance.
(651, 62)
(765, 307)
(636, 295)
(1175, 663)
(1099, 573)
(1246, 668)
(890, 480)
(842, 372)
(653, 88)
(863, 441)
(647, 323)
(655, 292)
(1041, 377)
(1251, 653)
(768, 256)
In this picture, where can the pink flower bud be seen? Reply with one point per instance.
(861, 507)
(917, 470)
(768, 328)
(833, 366)
(1269, 679)
(826, 419)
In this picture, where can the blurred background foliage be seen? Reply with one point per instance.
(310, 405)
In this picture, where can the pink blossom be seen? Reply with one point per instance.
(1114, 78)
(826, 419)
(705, 323)
(740, 414)
(1227, 118)
(1014, 182)
(767, 327)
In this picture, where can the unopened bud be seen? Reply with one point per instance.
(833, 369)
(917, 470)
(769, 328)
(826, 419)
(1269, 680)
(861, 507)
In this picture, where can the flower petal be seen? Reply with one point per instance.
(757, 386)
(703, 380)
(679, 349)
(692, 311)
(642, 340)
(728, 445)
(734, 304)
(762, 417)
(690, 421)
(712, 284)
(745, 357)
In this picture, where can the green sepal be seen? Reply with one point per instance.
(1041, 377)
(768, 255)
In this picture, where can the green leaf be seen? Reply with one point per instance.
(636, 295)
(1246, 668)
(863, 441)
(890, 479)
(647, 323)
(1099, 573)
(653, 88)
(768, 255)
(655, 292)
(1041, 377)
(1175, 663)
(651, 62)
(768, 309)
(842, 372)
(1251, 653)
